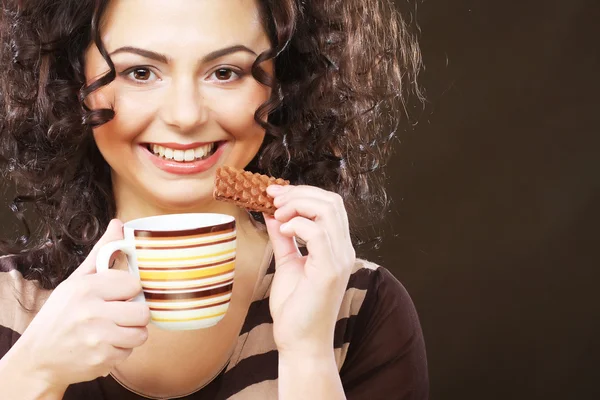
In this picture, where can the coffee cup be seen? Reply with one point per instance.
(185, 263)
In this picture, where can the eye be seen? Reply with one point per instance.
(225, 75)
(141, 75)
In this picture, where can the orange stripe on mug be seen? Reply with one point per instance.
(176, 259)
(189, 319)
(186, 274)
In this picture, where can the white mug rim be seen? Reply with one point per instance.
(184, 222)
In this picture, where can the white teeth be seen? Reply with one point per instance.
(183, 155)
(158, 149)
(178, 155)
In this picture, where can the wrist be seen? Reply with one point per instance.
(307, 365)
(23, 379)
(313, 376)
(314, 348)
(307, 356)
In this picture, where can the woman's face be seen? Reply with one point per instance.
(184, 96)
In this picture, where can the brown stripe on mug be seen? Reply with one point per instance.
(199, 288)
(180, 297)
(204, 231)
(167, 301)
(193, 294)
(162, 239)
(189, 246)
(176, 238)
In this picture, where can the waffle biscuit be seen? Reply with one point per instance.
(245, 189)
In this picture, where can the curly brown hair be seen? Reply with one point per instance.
(343, 68)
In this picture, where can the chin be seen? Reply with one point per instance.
(187, 200)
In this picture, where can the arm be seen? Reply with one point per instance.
(19, 380)
(302, 377)
(97, 329)
(386, 358)
(18, 298)
(307, 290)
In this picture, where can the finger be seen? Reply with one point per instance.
(281, 193)
(284, 246)
(278, 190)
(114, 285)
(118, 355)
(127, 313)
(114, 231)
(306, 207)
(324, 213)
(127, 337)
(332, 203)
(317, 241)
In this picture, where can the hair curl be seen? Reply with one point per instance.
(343, 71)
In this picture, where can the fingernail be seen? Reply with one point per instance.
(284, 228)
(274, 190)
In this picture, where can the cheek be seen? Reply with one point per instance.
(236, 115)
(134, 111)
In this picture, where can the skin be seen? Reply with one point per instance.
(184, 101)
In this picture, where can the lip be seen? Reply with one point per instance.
(188, 168)
(179, 146)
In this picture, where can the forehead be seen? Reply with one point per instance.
(181, 24)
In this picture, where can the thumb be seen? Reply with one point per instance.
(114, 231)
(284, 247)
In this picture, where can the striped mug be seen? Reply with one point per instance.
(185, 263)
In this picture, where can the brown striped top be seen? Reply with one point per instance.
(378, 344)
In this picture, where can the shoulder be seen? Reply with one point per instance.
(373, 293)
(20, 299)
(382, 290)
(383, 341)
(377, 281)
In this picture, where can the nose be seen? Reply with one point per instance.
(183, 106)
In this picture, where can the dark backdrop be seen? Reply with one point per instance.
(494, 227)
(496, 193)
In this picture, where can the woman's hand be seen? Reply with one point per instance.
(86, 326)
(307, 291)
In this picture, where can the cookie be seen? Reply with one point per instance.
(245, 189)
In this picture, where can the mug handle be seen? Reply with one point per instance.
(106, 252)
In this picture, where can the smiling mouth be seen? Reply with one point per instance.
(190, 155)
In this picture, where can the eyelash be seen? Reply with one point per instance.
(238, 74)
(128, 74)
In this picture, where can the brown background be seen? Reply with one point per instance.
(494, 228)
(496, 221)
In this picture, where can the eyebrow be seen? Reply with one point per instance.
(165, 59)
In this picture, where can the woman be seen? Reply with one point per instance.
(93, 90)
